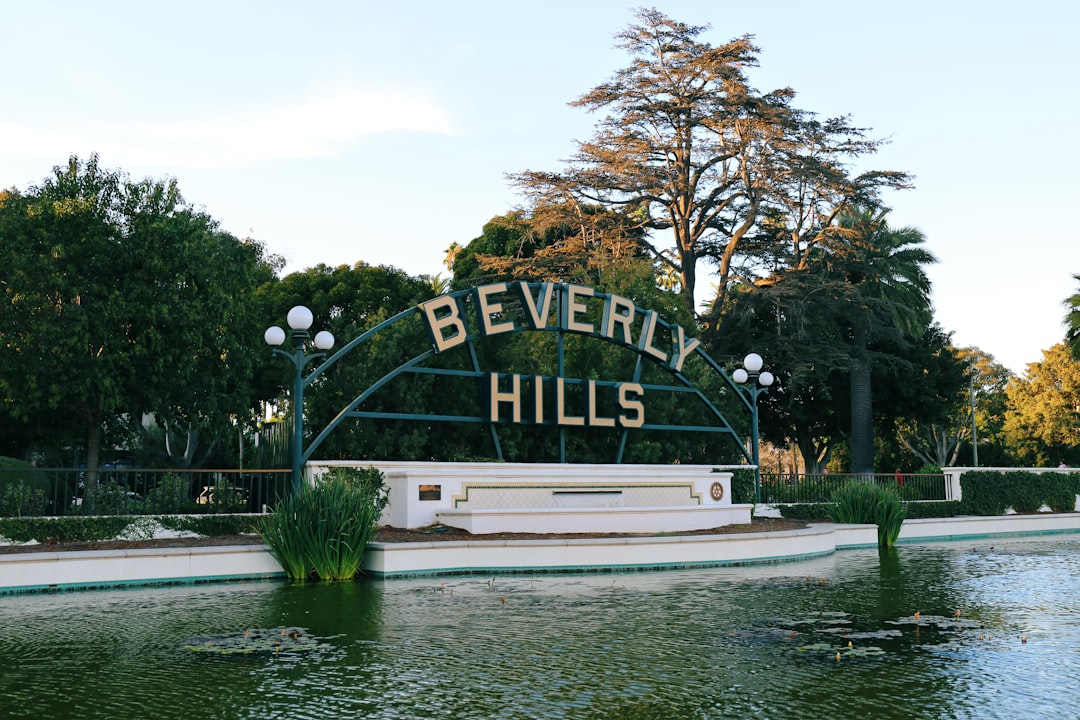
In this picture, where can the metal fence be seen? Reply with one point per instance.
(32, 492)
(792, 488)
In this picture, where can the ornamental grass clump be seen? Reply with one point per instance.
(322, 532)
(864, 503)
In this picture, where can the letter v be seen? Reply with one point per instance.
(538, 317)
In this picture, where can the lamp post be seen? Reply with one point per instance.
(299, 319)
(756, 382)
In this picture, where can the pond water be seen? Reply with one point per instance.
(750, 642)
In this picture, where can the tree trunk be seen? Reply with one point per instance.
(93, 458)
(862, 408)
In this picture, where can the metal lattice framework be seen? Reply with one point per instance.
(474, 315)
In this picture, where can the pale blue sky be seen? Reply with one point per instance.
(344, 131)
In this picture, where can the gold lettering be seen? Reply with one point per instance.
(538, 399)
(613, 317)
(538, 317)
(450, 319)
(513, 398)
(648, 330)
(594, 419)
(631, 404)
(487, 308)
(681, 347)
(573, 308)
(560, 406)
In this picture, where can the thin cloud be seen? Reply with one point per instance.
(318, 127)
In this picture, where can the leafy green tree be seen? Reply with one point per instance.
(690, 150)
(1042, 423)
(348, 301)
(1072, 321)
(888, 292)
(930, 401)
(121, 300)
(849, 317)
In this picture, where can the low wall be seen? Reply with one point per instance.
(422, 494)
(46, 571)
(87, 569)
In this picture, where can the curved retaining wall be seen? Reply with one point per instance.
(56, 571)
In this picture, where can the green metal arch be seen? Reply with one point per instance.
(461, 297)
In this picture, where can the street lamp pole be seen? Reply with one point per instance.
(299, 319)
(756, 382)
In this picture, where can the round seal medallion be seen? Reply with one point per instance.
(717, 491)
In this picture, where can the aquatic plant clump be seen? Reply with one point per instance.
(272, 641)
(323, 531)
(864, 503)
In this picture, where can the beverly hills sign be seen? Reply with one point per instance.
(572, 308)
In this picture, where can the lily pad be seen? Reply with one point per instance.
(269, 641)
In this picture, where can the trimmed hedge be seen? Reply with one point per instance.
(95, 528)
(742, 486)
(991, 493)
(819, 512)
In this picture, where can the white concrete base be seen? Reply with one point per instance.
(970, 527)
(555, 555)
(44, 571)
(88, 569)
(596, 520)
(420, 491)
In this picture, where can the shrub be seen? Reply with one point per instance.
(742, 486)
(866, 503)
(23, 491)
(212, 525)
(323, 531)
(805, 511)
(172, 494)
(991, 493)
(936, 509)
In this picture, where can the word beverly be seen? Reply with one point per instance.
(620, 321)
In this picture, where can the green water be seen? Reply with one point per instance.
(754, 642)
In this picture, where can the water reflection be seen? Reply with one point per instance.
(759, 641)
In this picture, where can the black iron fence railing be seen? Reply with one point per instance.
(32, 492)
(791, 488)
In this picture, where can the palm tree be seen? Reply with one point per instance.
(887, 288)
(1072, 322)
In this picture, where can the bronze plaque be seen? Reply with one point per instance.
(431, 492)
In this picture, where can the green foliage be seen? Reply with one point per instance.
(866, 503)
(212, 525)
(936, 509)
(171, 494)
(120, 298)
(742, 486)
(991, 493)
(1042, 424)
(63, 529)
(323, 531)
(806, 511)
(94, 528)
(22, 490)
(1072, 321)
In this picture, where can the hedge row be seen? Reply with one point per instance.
(95, 528)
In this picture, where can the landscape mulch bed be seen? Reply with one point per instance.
(438, 533)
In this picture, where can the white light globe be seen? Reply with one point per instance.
(740, 376)
(324, 340)
(752, 362)
(274, 335)
(765, 379)
(300, 318)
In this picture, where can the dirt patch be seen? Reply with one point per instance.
(436, 533)
(133, 544)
